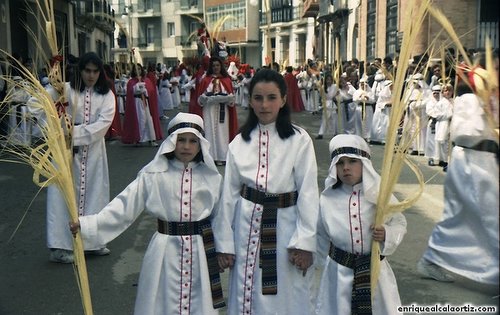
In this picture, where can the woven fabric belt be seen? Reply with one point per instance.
(485, 146)
(203, 228)
(271, 203)
(361, 303)
(222, 112)
(346, 108)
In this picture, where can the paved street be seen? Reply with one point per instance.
(30, 284)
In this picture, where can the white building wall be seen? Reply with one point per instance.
(169, 49)
(351, 22)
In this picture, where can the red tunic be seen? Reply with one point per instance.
(130, 132)
(153, 106)
(115, 130)
(293, 98)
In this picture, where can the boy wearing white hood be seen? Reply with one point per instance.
(180, 187)
(346, 230)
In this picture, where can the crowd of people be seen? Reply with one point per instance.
(266, 219)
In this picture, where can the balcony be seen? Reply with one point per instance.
(150, 10)
(154, 44)
(191, 6)
(311, 8)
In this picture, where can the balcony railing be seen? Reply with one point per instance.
(154, 7)
(153, 44)
(190, 4)
(297, 13)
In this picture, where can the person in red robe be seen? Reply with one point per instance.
(216, 107)
(194, 107)
(115, 130)
(151, 87)
(293, 97)
(130, 131)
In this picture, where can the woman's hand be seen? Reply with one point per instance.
(74, 227)
(378, 233)
(301, 259)
(225, 261)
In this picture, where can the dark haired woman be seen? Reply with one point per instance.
(91, 104)
(216, 106)
(265, 229)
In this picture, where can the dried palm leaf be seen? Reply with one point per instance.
(51, 160)
(395, 155)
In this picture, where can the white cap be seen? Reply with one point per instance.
(418, 77)
(436, 87)
(353, 146)
(181, 123)
(379, 77)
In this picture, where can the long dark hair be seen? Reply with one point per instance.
(223, 70)
(102, 85)
(283, 121)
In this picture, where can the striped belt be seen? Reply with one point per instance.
(203, 228)
(361, 303)
(485, 146)
(271, 203)
(346, 108)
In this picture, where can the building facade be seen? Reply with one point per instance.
(81, 26)
(257, 31)
(366, 29)
(288, 32)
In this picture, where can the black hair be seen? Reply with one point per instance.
(223, 70)
(463, 88)
(328, 75)
(283, 121)
(338, 184)
(102, 85)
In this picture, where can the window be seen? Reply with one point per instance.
(391, 39)
(370, 29)
(281, 11)
(150, 32)
(170, 29)
(236, 11)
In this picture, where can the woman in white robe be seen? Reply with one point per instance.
(466, 240)
(257, 164)
(432, 111)
(347, 214)
(381, 115)
(444, 111)
(329, 118)
(180, 186)
(176, 94)
(144, 118)
(365, 100)
(165, 101)
(92, 106)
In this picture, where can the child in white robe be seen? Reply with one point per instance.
(265, 230)
(346, 231)
(180, 187)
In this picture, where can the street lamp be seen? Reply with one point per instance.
(126, 14)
